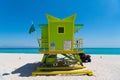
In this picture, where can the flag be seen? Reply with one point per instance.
(32, 29)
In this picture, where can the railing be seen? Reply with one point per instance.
(78, 44)
(43, 45)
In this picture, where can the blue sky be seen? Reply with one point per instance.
(101, 19)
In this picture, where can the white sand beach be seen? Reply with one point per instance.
(20, 66)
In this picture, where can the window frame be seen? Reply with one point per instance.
(59, 30)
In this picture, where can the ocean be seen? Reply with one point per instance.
(110, 51)
(106, 51)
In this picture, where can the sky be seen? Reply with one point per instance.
(101, 19)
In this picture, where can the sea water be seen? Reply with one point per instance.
(20, 50)
(110, 51)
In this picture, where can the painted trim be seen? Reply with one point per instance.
(73, 36)
(48, 36)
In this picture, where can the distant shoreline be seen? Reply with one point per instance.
(38, 47)
(97, 51)
(40, 53)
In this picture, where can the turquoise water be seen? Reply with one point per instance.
(19, 50)
(111, 51)
(87, 50)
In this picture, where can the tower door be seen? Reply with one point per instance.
(67, 45)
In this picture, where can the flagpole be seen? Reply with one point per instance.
(37, 38)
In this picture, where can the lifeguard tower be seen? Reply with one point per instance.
(57, 37)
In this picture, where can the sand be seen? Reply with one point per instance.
(20, 66)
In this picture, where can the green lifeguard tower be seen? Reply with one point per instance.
(57, 37)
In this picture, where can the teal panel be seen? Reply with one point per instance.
(77, 27)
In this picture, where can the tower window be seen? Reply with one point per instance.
(60, 29)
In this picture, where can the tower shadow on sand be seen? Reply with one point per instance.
(27, 69)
